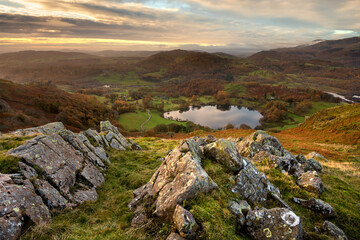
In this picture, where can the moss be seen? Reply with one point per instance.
(9, 164)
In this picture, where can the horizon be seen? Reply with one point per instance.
(228, 26)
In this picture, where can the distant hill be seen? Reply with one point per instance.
(31, 105)
(111, 53)
(344, 51)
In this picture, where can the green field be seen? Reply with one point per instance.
(128, 79)
(133, 121)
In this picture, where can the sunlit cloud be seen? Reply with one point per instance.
(250, 24)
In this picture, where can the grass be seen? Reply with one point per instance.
(128, 79)
(133, 121)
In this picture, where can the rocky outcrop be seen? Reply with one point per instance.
(333, 231)
(65, 168)
(185, 222)
(317, 205)
(239, 209)
(276, 223)
(179, 177)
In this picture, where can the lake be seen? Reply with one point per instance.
(217, 117)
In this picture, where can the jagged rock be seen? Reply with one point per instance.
(317, 205)
(46, 129)
(27, 171)
(311, 182)
(52, 155)
(315, 156)
(116, 145)
(224, 152)
(210, 139)
(179, 177)
(312, 165)
(260, 141)
(93, 135)
(334, 231)
(135, 146)
(81, 196)
(174, 236)
(50, 195)
(184, 222)
(253, 185)
(92, 175)
(276, 223)
(301, 158)
(17, 202)
(99, 151)
(79, 144)
(106, 127)
(239, 209)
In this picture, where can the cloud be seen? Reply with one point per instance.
(255, 24)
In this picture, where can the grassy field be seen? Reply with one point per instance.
(133, 121)
(128, 79)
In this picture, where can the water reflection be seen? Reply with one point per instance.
(218, 116)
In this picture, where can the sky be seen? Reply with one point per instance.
(209, 25)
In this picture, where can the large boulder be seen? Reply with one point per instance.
(276, 223)
(317, 205)
(185, 222)
(225, 152)
(253, 185)
(311, 182)
(179, 177)
(334, 231)
(19, 202)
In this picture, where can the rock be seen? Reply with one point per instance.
(106, 127)
(253, 185)
(334, 231)
(116, 145)
(179, 177)
(27, 171)
(225, 152)
(81, 196)
(210, 139)
(317, 205)
(94, 136)
(276, 223)
(184, 222)
(92, 175)
(260, 141)
(17, 202)
(50, 195)
(301, 158)
(52, 155)
(316, 156)
(313, 165)
(135, 146)
(239, 209)
(79, 144)
(46, 129)
(99, 151)
(311, 182)
(174, 236)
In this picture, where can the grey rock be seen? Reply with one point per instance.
(27, 171)
(50, 195)
(301, 158)
(313, 165)
(81, 196)
(101, 153)
(94, 136)
(334, 231)
(315, 156)
(107, 126)
(92, 175)
(185, 222)
(46, 129)
(116, 145)
(225, 152)
(239, 209)
(253, 185)
(276, 223)
(135, 146)
(317, 205)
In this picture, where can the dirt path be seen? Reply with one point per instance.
(142, 125)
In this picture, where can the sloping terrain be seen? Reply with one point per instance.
(31, 105)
